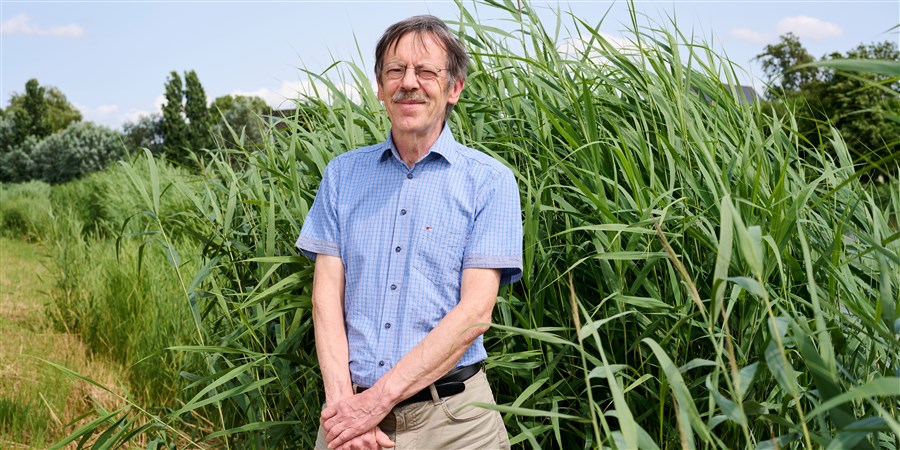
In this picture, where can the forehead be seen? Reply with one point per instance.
(420, 44)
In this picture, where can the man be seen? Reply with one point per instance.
(411, 240)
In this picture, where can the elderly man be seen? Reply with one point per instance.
(412, 239)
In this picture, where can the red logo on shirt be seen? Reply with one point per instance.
(427, 228)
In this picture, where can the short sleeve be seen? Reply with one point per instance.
(320, 233)
(496, 238)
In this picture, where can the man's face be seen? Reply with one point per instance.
(416, 106)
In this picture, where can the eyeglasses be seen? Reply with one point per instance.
(425, 72)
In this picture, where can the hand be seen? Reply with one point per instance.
(375, 439)
(351, 417)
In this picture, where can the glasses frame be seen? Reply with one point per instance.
(385, 71)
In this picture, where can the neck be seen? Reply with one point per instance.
(413, 147)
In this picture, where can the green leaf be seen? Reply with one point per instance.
(731, 409)
(879, 387)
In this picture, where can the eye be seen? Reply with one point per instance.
(427, 72)
(394, 72)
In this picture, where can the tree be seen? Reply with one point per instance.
(823, 98)
(39, 111)
(196, 111)
(861, 111)
(174, 127)
(779, 62)
(146, 132)
(239, 122)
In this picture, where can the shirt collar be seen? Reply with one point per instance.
(445, 146)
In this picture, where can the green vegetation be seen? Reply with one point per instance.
(42, 138)
(862, 105)
(35, 401)
(697, 272)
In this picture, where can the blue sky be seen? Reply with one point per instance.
(112, 58)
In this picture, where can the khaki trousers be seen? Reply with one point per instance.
(445, 424)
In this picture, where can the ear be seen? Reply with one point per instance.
(454, 91)
(380, 93)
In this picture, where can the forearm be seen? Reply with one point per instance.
(330, 331)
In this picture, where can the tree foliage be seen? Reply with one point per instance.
(238, 121)
(39, 111)
(80, 149)
(779, 62)
(864, 107)
(145, 132)
(196, 111)
(174, 126)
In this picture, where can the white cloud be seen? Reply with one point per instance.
(109, 115)
(808, 27)
(753, 37)
(107, 109)
(159, 102)
(21, 25)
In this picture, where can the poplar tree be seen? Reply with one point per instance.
(196, 111)
(174, 127)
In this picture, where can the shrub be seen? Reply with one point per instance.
(16, 164)
(80, 149)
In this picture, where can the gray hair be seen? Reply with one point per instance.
(457, 59)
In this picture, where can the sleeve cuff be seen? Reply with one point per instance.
(312, 247)
(510, 266)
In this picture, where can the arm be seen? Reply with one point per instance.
(431, 359)
(330, 331)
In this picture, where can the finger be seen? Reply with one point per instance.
(340, 439)
(382, 439)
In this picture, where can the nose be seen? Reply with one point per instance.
(410, 80)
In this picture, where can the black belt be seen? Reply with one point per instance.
(451, 384)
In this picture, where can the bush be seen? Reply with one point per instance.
(16, 164)
(25, 210)
(80, 149)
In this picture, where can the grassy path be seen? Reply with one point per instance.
(37, 402)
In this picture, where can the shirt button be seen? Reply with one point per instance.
(393, 287)
(409, 176)
(397, 249)
(387, 325)
(402, 212)
(380, 363)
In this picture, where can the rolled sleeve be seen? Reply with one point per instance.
(496, 238)
(320, 233)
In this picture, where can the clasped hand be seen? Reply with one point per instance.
(352, 423)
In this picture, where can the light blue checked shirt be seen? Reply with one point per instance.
(405, 235)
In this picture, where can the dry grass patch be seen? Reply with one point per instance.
(37, 402)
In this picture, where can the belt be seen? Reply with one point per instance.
(451, 384)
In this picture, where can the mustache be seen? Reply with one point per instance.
(415, 96)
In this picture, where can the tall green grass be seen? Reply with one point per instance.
(695, 274)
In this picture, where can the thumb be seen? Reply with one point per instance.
(382, 439)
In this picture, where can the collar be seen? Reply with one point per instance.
(444, 146)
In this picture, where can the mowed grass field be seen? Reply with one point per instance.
(38, 404)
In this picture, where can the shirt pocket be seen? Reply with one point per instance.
(438, 255)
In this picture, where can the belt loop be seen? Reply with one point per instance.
(435, 398)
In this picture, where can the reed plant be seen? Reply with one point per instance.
(695, 273)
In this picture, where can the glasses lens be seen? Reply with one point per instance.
(427, 72)
(394, 71)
